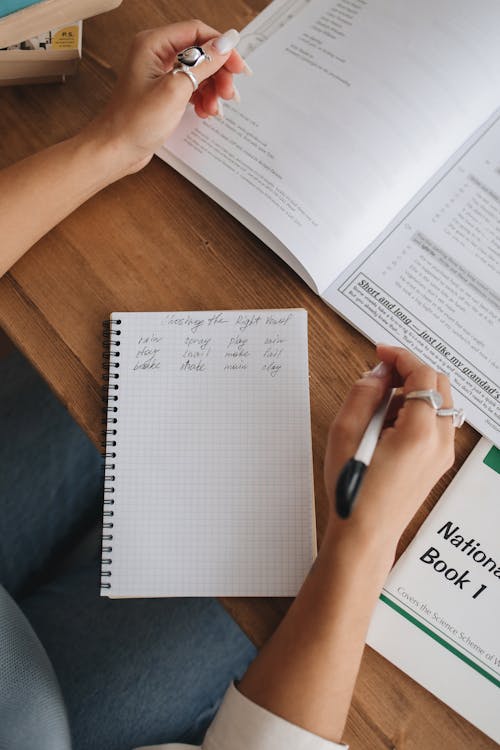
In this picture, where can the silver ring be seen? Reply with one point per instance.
(188, 73)
(430, 396)
(435, 401)
(189, 58)
(457, 415)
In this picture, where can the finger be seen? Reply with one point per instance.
(444, 389)
(236, 64)
(397, 402)
(154, 51)
(445, 424)
(212, 90)
(224, 86)
(352, 420)
(423, 415)
(403, 361)
(218, 51)
(209, 98)
(197, 96)
(197, 100)
(198, 108)
(167, 41)
(416, 415)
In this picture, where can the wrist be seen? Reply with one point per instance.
(355, 544)
(112, 156)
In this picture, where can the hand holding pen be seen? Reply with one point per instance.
(384, 454)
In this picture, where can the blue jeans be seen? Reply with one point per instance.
(132, 672)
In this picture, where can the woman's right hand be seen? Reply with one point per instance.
(411, 455)
(306, 672)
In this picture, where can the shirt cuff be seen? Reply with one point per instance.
(241, 724)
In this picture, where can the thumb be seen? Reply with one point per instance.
(219, 50)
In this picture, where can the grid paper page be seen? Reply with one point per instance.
(213, 483)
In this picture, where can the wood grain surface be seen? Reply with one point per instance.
(155, 242)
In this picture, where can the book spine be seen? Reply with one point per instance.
(111, 376)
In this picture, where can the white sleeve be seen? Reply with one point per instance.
(240, 724)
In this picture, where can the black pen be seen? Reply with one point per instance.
(351, 476)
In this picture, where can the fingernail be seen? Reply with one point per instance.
(227, 42)
(236, 95)
(220, 109)
(247, 70)
(379, 371)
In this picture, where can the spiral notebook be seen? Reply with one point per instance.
(208, 482)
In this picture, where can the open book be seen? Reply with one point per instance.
(366, 154)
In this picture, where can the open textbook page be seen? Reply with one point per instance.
(438, 614)
(274, 16)
(354, 105)
(431, 283)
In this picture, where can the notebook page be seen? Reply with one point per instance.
(213, 483)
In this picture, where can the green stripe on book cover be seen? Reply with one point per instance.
(11, 6)
(470, 662)
(492, 459)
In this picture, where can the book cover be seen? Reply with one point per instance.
(438, 614)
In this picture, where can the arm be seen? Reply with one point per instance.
(43, 189)
(307, 671)
(40, 191)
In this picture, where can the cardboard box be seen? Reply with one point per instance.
(43, 59)
(33, 20)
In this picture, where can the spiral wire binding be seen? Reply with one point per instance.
(111, 365)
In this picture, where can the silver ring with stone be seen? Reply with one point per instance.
(430, 396)
(189, 58)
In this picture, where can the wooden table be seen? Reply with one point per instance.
(154, 242)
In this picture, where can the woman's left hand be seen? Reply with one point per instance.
(148, 102)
